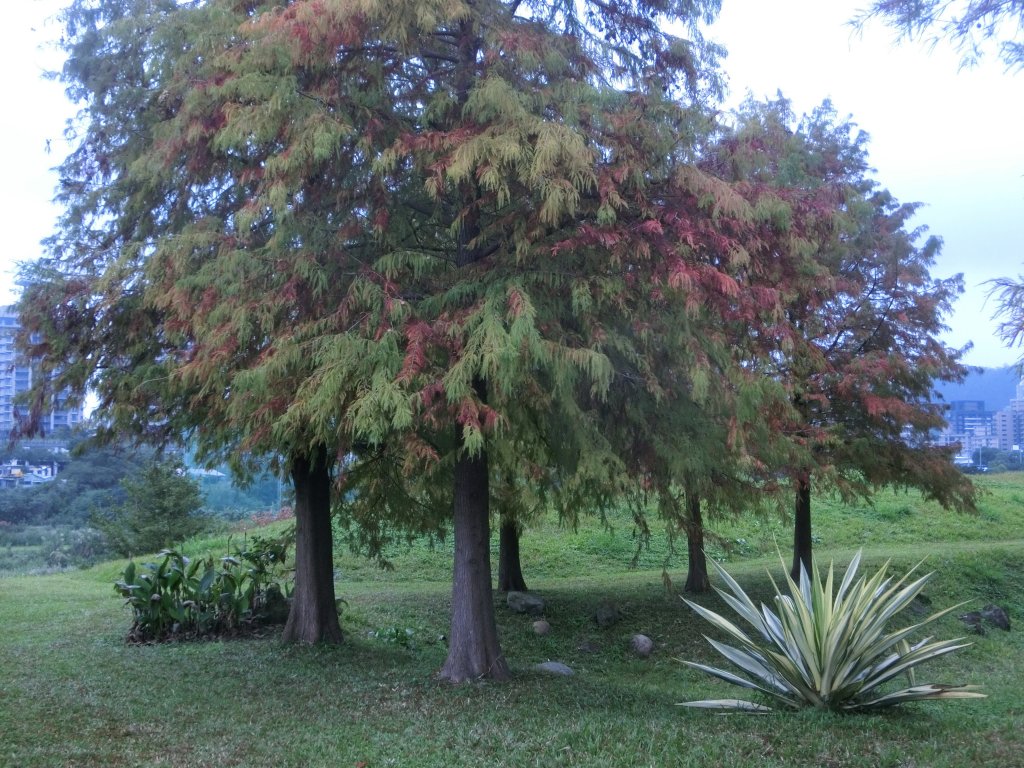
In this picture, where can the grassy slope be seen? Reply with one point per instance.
(71, 693)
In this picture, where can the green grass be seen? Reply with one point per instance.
(73, 694)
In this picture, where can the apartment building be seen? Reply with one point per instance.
(16, 377)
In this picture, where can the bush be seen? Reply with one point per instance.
(827, 651)
(182, 597)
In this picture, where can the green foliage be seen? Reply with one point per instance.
(89, 480)
(414, 233)
(182, 597)
(996, 460)
(825, 650)
(27, 548)
(161, 507)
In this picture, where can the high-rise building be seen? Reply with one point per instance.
(16, 377)
(1010, 422)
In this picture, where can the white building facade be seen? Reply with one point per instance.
(16, 377)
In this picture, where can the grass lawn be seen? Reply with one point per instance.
(73, 694)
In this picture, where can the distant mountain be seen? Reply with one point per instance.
(996, 386)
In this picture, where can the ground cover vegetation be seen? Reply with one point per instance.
(438, 260)
(75, 693)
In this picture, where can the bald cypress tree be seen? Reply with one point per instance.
(859, 350)
(96, 314)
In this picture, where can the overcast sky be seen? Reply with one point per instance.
(941, 136)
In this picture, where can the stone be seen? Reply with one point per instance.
(996, 616)
(642, 645)
(973, 622)
(920, 605)
(524, 602)
(607, 615)
(554, 668)
(541, 627)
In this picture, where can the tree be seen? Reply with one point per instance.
(1009, 296)
(93, 315)
(161, 508)
(861, 351)
(968, 24)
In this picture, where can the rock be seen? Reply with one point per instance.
(996, 616)
(973, 622)
(541, 627)
(642, 645)
(524, 602)
(554, 668)
(607, 615)
(920, 605)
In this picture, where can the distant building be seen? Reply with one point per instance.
(15, 474)
(972, 427)
(16, 376)
(969, 425)
(1009, 422)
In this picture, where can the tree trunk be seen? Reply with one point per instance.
(473, 648)
(802, 528)
(314, 613)
(510, 569)
(697, 564)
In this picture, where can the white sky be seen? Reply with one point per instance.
(948, 138)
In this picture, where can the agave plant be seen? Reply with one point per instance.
(830, 651)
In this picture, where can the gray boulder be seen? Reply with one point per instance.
(642, 645)
(554, 668)
(541, 627)
(996, 616)
(525, 602)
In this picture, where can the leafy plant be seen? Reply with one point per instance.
(824, 650)
(159, 593)
(404, 638)
(179, 595)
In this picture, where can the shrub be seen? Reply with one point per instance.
(178, 596)
(824, 650)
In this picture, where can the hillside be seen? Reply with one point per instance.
(996, 386)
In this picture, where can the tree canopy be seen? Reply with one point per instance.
(161, 507)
